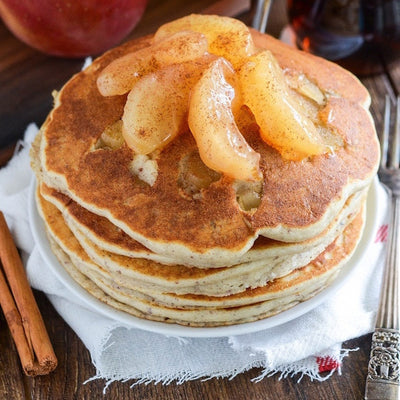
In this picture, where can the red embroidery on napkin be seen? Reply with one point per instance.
(382, 234)
(327, 364)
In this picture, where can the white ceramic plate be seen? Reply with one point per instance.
(42, 242)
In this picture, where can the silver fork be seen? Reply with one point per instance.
(383, 380)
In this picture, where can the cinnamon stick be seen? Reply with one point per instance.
(21, 311)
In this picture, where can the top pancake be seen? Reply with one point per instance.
(299, 199)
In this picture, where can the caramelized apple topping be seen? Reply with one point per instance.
(112, 135)
(221, 145)
(282, 124)
(203, 73)
(120, 76)
(227, 37)
(248, 194)
(157, 106)
(306, 88)
(111, 138)
(194, 175)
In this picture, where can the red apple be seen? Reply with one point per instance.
(71, 28)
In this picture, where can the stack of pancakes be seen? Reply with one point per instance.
(164, 252)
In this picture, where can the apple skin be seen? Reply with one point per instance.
(71, 28)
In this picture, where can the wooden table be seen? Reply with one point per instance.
(27, 79)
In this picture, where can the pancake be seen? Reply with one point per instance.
(143, 274)
(168, 233)
(299, 200)
(251, 305)
(108, 237)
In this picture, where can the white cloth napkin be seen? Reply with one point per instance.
(309, 345)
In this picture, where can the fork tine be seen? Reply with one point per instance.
(260, 18)
(397, 129)
(395, 151)
(384, 136)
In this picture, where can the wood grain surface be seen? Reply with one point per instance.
(27, 79)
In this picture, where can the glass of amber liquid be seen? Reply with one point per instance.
(361, 35)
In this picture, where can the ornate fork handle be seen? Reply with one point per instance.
(383, 378)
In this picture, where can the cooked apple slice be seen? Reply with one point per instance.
(112, 136)
(157, 106)
(282, 124)
(227, 37)
(310, 90)
(121, 74)
(221, 145)
(194, 175)
(305, 87)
